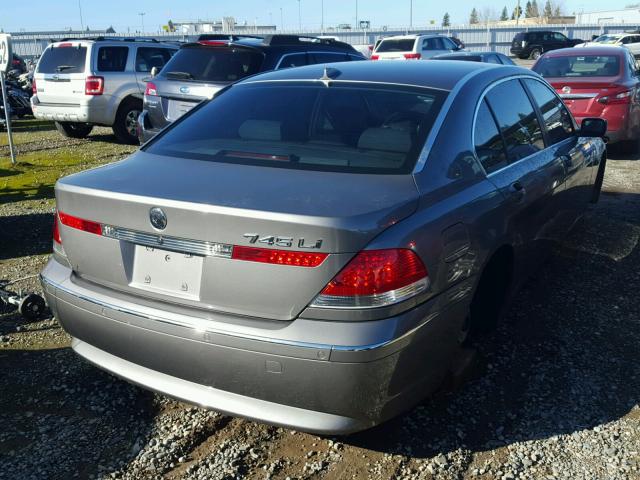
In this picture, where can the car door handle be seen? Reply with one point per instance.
(517, 191)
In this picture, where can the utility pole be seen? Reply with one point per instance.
(410, 14)
(322, 17)
(281, 20)
(80, 9)
(357, 15)
(518, 13)
(142, 14)
(299, 17)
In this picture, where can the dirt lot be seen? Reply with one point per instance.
(554, 393)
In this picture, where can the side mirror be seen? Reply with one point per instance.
(154, 71)
(593, 127)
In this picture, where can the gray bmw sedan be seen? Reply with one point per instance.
(311, 247)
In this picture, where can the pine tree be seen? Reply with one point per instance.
(527, 10)
(473, 18)
(446, 20)
(548, 10)
(534, 9)
(505, 14)
(557, 12)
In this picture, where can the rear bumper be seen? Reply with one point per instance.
(519, 52)
(328, 387)
(90, 112)
(619, 124)
(145, 130)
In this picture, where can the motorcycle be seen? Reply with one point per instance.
(19, 94)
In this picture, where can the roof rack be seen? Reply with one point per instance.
(224, 36)
(279, 39)
(107, 39)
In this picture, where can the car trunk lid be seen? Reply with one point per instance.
(581, 95)
(60, 74)
(212, 204)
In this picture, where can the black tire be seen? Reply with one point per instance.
(125, 127)
(535, 54)
(490, 300)
(74, 130)
(597, 186)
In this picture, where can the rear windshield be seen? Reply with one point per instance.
(579, 66)
(607, 39)
(396, 45)
(213, 64)
(301, 126)
(519, 37)
(63, 60)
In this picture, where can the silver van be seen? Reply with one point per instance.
(80, 83)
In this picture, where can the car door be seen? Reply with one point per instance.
(562, 141)
(529, 176)
(634, 45)
(558, 40)
(449, 45)
(432, 46)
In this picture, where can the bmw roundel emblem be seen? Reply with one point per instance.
(184, 89)
(157, 218)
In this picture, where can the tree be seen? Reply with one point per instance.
(473, 18)
(534, 9)
(446, 20)
(504, 15)
(557, 12)
(517, 12)
(527, 9)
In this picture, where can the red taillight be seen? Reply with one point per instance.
(375, 278)
(34, 88)
(65, 45)
(375, 57)
(412, 56)
(617, 98)
(80, 224)
(56, 230)
(94, 86)
(278, 257)
(151, 89)
(213, 42)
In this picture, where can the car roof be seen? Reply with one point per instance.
(259, 44)
(595, 50)
(412, 36)
(442, 75)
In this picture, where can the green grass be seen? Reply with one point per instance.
(44, 156)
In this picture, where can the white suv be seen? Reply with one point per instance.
(80, 83)
(413, 47)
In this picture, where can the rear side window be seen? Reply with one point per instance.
(293, 60)
(213, 64)
(517, 120)
(396, 45)
(493, 59)
(147, 58)
(578, 66)
(346, 128)
(557, 120)
(112, 59)
(326, 57)
(488, 141)
(66, 59)
(433, 44)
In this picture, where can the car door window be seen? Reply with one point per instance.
(432, 44)
(448, 44)
(326, 57)
(517, 119)
(293, 60)
(147, 58)
(559, 37)
(556, 117)
(488, 142)
(112, 59)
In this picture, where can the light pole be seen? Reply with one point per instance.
(299, 17)
(322, 17)
(356, 14)
(142, 14)
(281, 20)
(80, 9)
(410, 14)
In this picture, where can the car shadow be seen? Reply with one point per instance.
(564, 361)
(54, 408)
(22, 235)
(615, 152)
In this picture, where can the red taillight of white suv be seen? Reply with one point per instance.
(412, 56)
(94, 86)
(375, 278)
(151, 89)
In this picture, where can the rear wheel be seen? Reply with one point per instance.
(535, 54)
(126, 125)
(489, 302)
(74, 130)
(597, 186)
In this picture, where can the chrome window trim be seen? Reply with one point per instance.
(570, 96)
(364, 82)
(475, 118)
(294, 343)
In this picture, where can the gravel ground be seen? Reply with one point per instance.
(553, 394)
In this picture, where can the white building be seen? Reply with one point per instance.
(629, 16)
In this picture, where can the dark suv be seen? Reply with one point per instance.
(534, 44)
(200, 69)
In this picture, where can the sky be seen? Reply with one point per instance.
(124, 15)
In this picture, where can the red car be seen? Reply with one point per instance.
(598, 82)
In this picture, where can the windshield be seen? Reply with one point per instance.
(212, 64)
(396, 45)
(607, 39)
(337, 128)
(578, 66)
(63, 59)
